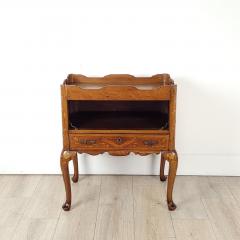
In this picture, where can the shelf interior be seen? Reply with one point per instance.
(118, 115)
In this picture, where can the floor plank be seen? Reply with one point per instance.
(119, 207)
(80, 222)
(187, 196)
(224, 215)
(35, 229)
(232, 181)
(216, 188)
(47, 198)
(16, 193)
(115, 213)
(152, 219)
(189, 229)
(233, 184)
(11, 210)
(18, 185)
(42, 210)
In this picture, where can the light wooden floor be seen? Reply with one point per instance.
(119, 207)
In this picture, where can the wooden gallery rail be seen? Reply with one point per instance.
(119, 114)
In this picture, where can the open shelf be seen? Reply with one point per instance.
(119, 120)
(118, 115)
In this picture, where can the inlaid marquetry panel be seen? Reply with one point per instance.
(118, 141)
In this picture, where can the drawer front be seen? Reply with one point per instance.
(118, 141)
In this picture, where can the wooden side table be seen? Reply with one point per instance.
(119, 114)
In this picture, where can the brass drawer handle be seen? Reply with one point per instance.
(87, 141)
(150, 142)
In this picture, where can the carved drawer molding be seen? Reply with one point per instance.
(117, 141)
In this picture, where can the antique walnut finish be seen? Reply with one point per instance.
(119, 114)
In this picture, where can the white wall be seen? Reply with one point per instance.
(197, 42)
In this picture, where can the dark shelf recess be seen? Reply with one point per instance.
(118, 120)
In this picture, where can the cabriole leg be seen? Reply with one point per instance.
(162, 166)
(172, 158)
(64, 160)
(75, 166)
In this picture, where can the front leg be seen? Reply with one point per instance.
(172, 158)
(75, 166)
(162, 166)
(64, 161)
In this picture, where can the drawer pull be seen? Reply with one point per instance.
(150, 142)
(88, 141)
(119, 140)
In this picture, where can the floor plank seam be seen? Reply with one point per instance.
(165, 191)
(55, 229)
(173, 226)
(211, 224)
(29, 200)
(99, 195)
(171, 217)
(133, 211)
(19, 221)
(234, 197)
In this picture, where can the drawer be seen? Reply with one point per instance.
(118, 141)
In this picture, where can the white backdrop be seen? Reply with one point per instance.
(197, 42)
